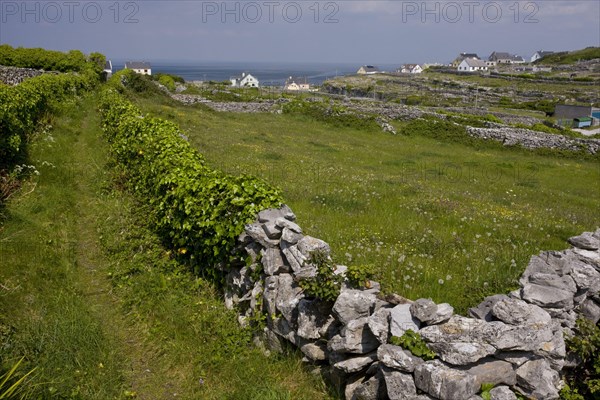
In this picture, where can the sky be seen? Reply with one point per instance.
(342, 31)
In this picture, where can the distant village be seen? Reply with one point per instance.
(464, 63)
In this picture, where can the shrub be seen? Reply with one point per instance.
(22, 106)
(414, 343)
(585, 379)
(330, 113)
(196, 210)
(49, 60)
(326, 284)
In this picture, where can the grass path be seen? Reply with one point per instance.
(94, 303)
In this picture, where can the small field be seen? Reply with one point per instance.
(434, 218)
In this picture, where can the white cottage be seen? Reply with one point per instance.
(296, 84)
(368, 70)
(108, 69)
(410, 69)
(540, 54)
(472, 65)
(244, 80)
(139, 67)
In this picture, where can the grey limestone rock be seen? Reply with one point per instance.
(424, 310)
(308, 244)
(282, 223)
(272, 261)
(585, 241)
(444, 383)
(484, 309)
(402, 320)
(379, 324)
(502, 393)
(490, 370)
(518, 312)
(537, 379)
(356, 363)
(313, 316)
(547, 297)
(315, 351)
(353, 304)
(443, 313)
(399, 386)
(288, 296)
(355, 337)
(370, 389)
(462, 353)
(591, 310)
(397, 358)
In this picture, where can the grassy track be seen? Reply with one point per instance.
(93, 301)
(437, 219)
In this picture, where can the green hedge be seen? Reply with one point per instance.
(50, 60)
(199, 212)
(22, 106)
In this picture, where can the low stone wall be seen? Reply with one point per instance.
(243, 107)
(513, 341)
(13, 75)
(533, 139)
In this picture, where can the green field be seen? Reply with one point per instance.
(436, 218)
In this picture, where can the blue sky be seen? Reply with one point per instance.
(359, 31)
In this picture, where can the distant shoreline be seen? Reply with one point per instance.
(269, 74)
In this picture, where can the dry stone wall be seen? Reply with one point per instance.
(529, 139)
(514, 341)
(13, 75)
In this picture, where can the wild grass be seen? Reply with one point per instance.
(435, 217)
(91, 299)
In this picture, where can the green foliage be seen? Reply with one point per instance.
(198, 211)
(485, 390)
(136, 83)
(22, 106)
(585, 379)
(436, 128)
(414, 343)
(175, 78)
(167, 82)
(543, 105)
(326, 284)
(49, 60)
(359, 275)
(330, 113)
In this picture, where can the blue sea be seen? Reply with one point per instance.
(269, 74)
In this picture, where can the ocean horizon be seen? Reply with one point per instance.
(268, 73)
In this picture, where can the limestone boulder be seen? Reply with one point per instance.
(401, 320)
(444, 383)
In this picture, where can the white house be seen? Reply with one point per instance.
(296, 84)
(540, 54)
(472, 65)
(108, 70)
(410, 69)
(139, 67)
(461, 57)
(505, 58)
(368, 70)
(244, 80)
